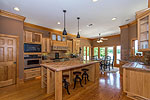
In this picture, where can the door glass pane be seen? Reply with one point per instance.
(88, 55)
(96, 52)
(110, 52)
(84, 53)
(102, 52)
(118, 54)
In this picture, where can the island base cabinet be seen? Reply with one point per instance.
(136, 83)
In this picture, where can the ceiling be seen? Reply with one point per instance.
(48, 12)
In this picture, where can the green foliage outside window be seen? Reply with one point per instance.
(102, 52)
(96, 51)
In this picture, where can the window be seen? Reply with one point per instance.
(53, 37)
(58, 37)
(88, 53)
(136, 48)
(84, 53)
(64, 39)
(118, 54)
(102, 52)
(110, 52)
(96, 52)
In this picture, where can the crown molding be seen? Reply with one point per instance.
(11, 15)
(142, 13)
(129, 24)
(124, 26)
(50, 30)
(117, 35)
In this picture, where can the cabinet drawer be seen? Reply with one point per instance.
(32, 75)
(32, 70)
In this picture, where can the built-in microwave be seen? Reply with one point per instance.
(32, 48)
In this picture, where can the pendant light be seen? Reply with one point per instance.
(64, 31)
(78, 35)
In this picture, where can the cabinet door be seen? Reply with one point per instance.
(46, 45)
(36, 37)
(77, 46)
(143, 32)
(74, 46)
(69, 44)
(28, 36)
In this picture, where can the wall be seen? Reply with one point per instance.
(14, 27)
(112, 41)
(128, 32)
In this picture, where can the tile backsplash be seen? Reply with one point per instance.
(146, 58)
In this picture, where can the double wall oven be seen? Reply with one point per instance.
(32, 61)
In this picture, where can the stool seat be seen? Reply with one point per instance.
(85, 69)
(77, 73)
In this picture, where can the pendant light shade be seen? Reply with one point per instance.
(64, 31)
(78, 34)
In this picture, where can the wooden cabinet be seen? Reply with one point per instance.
(59, 45)
(136, 83)
(32, 37)
(76, 46)
(46, 45)
(69, 44)
(144, 31)
(32, 73)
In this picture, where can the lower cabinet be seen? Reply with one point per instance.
(32, 73)
(136, 83)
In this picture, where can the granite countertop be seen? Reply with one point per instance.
(137, 66)
(66, 65)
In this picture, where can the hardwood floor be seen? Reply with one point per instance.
(109, 87)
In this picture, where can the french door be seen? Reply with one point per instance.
(86, 53)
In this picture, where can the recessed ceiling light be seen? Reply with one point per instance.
(16, 8)
(114, 18)
(94, 0)
(58, 22)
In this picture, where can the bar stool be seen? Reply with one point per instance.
(66, 84)
(77, 73)
(85, 75)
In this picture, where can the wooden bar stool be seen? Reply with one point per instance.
(66, 84)
(77, 73)
(85, 75)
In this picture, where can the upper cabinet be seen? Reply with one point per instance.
(69, 44)
(32, 37)
(46, 45)
(76, 46)
(143, 20)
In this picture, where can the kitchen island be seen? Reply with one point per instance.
(136, 80)
(52, 74)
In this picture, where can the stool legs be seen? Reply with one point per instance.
(86, 76)
(66, 84)
(75, 80)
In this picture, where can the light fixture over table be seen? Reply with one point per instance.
(64, 31)
(78, 34)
